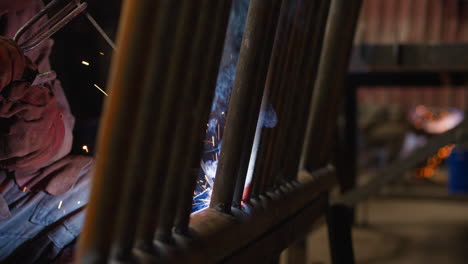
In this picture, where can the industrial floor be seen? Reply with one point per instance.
(403, 230)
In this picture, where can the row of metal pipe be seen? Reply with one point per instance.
(161, 87)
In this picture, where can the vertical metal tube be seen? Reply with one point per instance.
(245, 94)
(113, 143)
(305, 80)
(161, 40)
(285, 95)
(347, 150)
(339, 220)
(184, 129)
(202, 108)
(287, 104)
(273, 79)
(328, 86)
(251, 127)
(164, 136)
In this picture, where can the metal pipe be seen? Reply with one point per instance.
(245, 94)
(187, 91)
(283, 92)
(287, 103)
(136, 173)
(164, 137)
(277, 61)
(330, 77)
(306, 77)
(202, 108)
(251, 127)
(114, 137)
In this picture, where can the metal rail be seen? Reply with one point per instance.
(340, 217)
(445, 57)
(220, 237)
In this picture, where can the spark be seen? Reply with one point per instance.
(79, 202)
(101, 53)
(100, 89)
(25, 188)
(60, 205)
(85, 148)
(85, 63)
(213, 141)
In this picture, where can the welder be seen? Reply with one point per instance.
(43, 188)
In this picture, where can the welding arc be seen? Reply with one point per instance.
(205, 170)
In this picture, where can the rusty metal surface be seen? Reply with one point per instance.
(115, 137)
(244, 106)
(284, 234)
(413, 21)
(412, 36)
(219, 237)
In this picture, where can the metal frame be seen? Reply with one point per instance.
(373, 65)
(161, 85)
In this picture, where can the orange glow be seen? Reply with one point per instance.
(85, 148)
(433, 162)
(445, 151)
